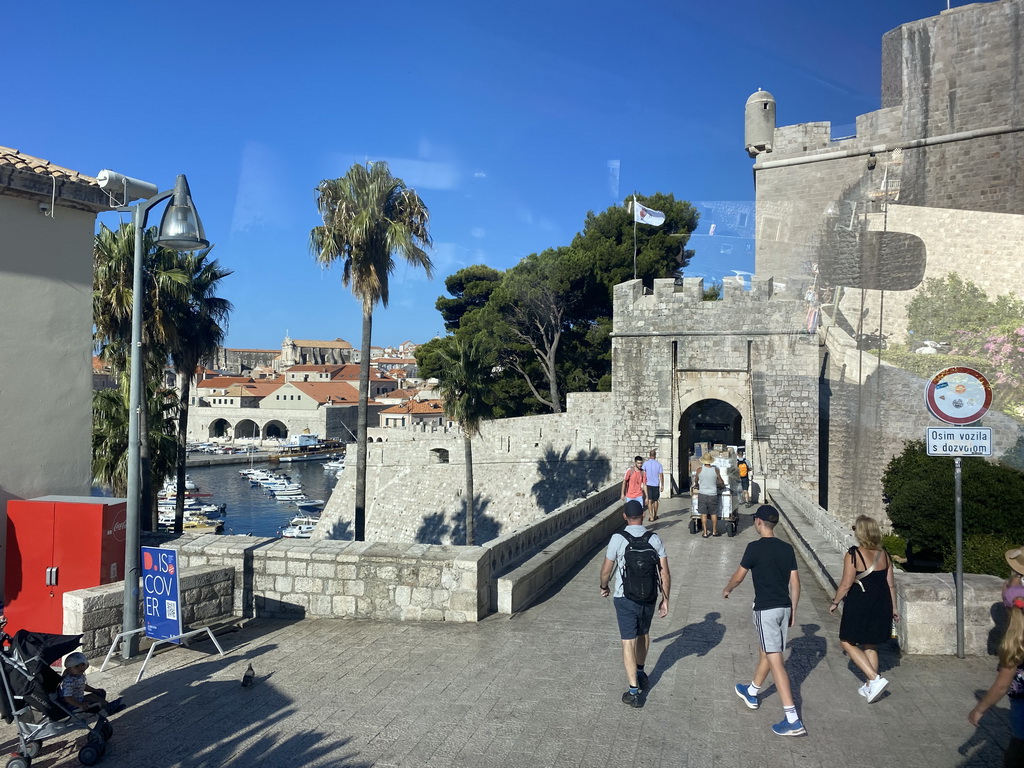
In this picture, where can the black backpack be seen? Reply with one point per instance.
(640, 569)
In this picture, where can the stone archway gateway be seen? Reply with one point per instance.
(707, 421)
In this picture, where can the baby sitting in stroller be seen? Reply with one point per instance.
(77, 694)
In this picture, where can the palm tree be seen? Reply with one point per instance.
(195, 326)
(463, 382)
(369, 217)
(110, 433)
(113, 261)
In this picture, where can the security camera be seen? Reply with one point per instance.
(44, 208)
(133, 189)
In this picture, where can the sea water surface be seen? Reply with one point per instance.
(250, 508)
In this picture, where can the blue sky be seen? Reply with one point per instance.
(511, 120)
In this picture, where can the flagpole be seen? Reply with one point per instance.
(634, 237)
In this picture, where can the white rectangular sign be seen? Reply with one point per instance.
(958, 441)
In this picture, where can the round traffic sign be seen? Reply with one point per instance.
(958, 395)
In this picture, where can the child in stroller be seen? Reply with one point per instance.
(32, 700)
(77, 694)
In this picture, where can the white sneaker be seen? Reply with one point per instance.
(863, 690)
(875, 688)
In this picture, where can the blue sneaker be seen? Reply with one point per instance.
(750, 701)
(786, 728)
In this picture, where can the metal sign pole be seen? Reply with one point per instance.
(959, 577)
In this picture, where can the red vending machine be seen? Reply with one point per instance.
(56, 544)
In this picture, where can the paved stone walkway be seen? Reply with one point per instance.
(543, 689)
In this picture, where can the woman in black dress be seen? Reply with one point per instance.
(870, 603)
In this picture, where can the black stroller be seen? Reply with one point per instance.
(31, 697)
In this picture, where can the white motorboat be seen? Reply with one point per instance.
(304, 520)
(298, 531)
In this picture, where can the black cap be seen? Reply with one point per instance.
(634, 509)
(767, 513)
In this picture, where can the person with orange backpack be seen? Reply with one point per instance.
(743, 468)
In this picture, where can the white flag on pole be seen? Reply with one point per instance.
(646, 215)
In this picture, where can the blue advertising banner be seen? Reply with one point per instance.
(161, 596)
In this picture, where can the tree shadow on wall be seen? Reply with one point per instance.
(341, 530)
(563, 478)
(436, 527)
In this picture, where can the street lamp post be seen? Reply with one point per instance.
(180, 230)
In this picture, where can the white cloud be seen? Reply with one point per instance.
(478, 232)
(479, 175)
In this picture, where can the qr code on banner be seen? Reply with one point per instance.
(171, 610)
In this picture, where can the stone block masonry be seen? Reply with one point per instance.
(207, 595)
(672, 350)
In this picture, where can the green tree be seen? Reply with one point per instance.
(463, 383)
(470, 289)
(369, 217)
(113, 267)
(110, 433)
(919, 496)
(533, 309)
(606, 243)
(949, 306)
(196, 327)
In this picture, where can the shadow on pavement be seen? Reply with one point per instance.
(693, 639)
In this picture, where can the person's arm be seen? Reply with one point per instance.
(890, 579)
(622, 493)
(666, 587)
(606, 573)
(999, 688)
(794, 594)
(643, 485)
(734, 582)
(719, 480)
(849, 572)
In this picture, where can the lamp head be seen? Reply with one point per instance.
(180, 227)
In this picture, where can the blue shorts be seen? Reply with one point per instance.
(634, 618)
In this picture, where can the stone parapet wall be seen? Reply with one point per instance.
(926, 603)
(207, 595)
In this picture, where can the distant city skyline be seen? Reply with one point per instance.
(512, 122)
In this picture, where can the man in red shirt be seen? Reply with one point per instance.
(634, 484)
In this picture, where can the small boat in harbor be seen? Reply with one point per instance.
(304, 520)
(298, 531)
(309, 505)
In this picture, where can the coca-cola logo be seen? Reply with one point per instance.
(120, 525)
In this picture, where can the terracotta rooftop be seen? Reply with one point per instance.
(416, 407)
(336, 344)
(328, 391)
(222, 382)
(23, 162)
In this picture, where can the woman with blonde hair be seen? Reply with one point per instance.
(1010, 676)
(869, 610)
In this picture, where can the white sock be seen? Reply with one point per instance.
(790, 714)
(753, 689)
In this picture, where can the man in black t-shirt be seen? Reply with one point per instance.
(772, 563)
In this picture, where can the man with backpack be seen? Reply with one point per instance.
(637, 560)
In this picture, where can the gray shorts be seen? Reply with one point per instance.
(707, 504)
(772, 627)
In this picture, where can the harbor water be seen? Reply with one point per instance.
(250, 509)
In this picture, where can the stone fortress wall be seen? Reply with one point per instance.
(931, 184)
(523, 469)
(671, 350)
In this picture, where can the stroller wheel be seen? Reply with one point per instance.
(107, 730)
(19, 762)
(693, 525)
(733, 528)
(33, 748)
(88, 755)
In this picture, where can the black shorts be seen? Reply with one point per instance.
(653, 492)
(634, 619)
(744, 483)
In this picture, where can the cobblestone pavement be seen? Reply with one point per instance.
(543, 688)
